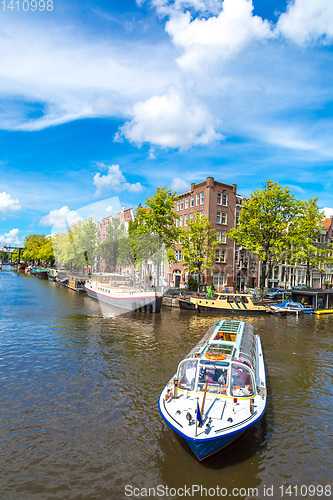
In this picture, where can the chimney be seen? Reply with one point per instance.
(234, 188)
(210, 181)
(192, 186)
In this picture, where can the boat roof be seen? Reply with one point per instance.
(229, 294)
(234, 340)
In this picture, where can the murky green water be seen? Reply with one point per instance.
(79, 412)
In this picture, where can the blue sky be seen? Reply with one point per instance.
(101, 102)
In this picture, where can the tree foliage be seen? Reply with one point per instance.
(198, 242)
(158, 218)
(263, 225)
(109, 249)
(305, 232)
(77, 248)
(38, 247)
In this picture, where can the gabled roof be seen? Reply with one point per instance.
(327, 222)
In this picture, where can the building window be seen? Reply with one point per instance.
(222, 199)
(237, 217)
(181, 220)
(185, 219)
(221, 236)
(197, 200)
(186, 202)
(218, 218)
(202, 198)
(219, 279)
(177, 205)
(181, 204)
(179, 255)
(201, 213)
(224, 217)
(192, 200)
(220, 255)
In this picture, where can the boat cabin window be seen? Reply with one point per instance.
(186, 374)
(215, 375)
(241, 381)
(230, 300)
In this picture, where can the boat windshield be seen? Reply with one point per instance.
(241, 381)
(215, 374)
(186, 374)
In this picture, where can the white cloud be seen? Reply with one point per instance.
(179, 185)
(73, 75)
(218, 37)
(171, 121)
(62, 218)
(307, 21)
(10, 238)
(328, 212)
(167, 7)
(7, 203)
(114, 180)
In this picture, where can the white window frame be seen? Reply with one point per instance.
(186, 203)
(197, 199)
(224, 219)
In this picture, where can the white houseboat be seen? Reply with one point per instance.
(119, 291)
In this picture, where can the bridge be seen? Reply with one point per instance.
(10, 249)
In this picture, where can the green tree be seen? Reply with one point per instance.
(77, 248)
(45, 253)
(157, 221)
(109, 249)
(198, 242)
(32, 246)
(304, 235)
(158, 217)
(263, 225)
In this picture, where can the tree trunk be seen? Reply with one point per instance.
(262, 276)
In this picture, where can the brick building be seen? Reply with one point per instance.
(233, 267)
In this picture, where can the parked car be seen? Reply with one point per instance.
(275, 293)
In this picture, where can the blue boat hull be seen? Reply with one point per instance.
(204, 449)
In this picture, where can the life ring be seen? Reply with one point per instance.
(215, 357)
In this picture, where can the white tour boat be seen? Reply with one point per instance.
(219, 389)
(118, 291)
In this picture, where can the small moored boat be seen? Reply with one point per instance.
(290, 307)
(219, 390)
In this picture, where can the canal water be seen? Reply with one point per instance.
(79, 403)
